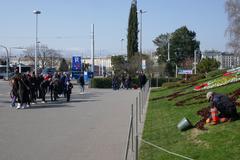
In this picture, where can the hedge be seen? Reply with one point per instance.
(107, 82)
(157, 82)
(101, 83)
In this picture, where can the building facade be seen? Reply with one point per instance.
(227, 60)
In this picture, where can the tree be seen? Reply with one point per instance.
(232, 7)
(162, 47)
(207, 64)
(132, 37)
(149, 64)
(118, 64)
(169, 69)
(134, 64)
(182, 44)
(46, 56)
(63, 65)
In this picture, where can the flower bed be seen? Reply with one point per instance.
(228, 77)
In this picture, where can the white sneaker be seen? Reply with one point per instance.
(18, 106)
(43, 102)
(28, 106)
(24, 106)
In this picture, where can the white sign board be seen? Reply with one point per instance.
(184, 71)
(143, 64)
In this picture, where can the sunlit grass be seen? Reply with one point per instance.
(218, 142)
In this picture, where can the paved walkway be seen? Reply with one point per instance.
(94, 126)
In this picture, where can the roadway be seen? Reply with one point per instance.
(93, 126)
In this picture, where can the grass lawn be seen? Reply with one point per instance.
(218, 142)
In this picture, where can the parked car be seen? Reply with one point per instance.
(10, 75)
(48, 71)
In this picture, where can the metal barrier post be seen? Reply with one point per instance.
(139, 113)
(132, 126)
(142, 99)
(136, 158)
(139, 99)
(129, 136)
(136, 147)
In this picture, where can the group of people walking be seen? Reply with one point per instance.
(121, 82)
(26, 88)
(125, 82)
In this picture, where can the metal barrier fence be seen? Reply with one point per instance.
(136, 117)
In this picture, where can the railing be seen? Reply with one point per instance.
(136, 118)
(139, 114)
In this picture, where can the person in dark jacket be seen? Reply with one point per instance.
(82, 83)
(13, 83)
(55, 87)
(142, 79)
(33, 82)
(224, 105)
(69, 87)
(115, 85)
(128, 82)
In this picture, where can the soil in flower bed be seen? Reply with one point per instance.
(235, 95)
(204, 113)
(177, 94)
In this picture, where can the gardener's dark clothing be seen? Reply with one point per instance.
(225, 106)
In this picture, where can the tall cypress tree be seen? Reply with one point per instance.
(132, 45)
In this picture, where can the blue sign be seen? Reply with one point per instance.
(76, 67)
(76, 63)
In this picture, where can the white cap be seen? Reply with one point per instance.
(209, 95)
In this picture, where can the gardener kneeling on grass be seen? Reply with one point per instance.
(221, 104)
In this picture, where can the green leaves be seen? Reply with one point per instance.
(132, 44)
(207, 65)
(63, 65)
(182, 44)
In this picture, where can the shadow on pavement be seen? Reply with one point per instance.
(49, 106)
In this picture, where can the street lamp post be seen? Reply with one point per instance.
(7, 62)
(122, 46)
(141, 13)
(36, 12)
(169, 37)
(195, 61)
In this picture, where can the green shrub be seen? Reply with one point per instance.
(157, 82)
(101, 83)
(135, 81)
(107, 82)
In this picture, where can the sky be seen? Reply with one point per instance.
(65, 25)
